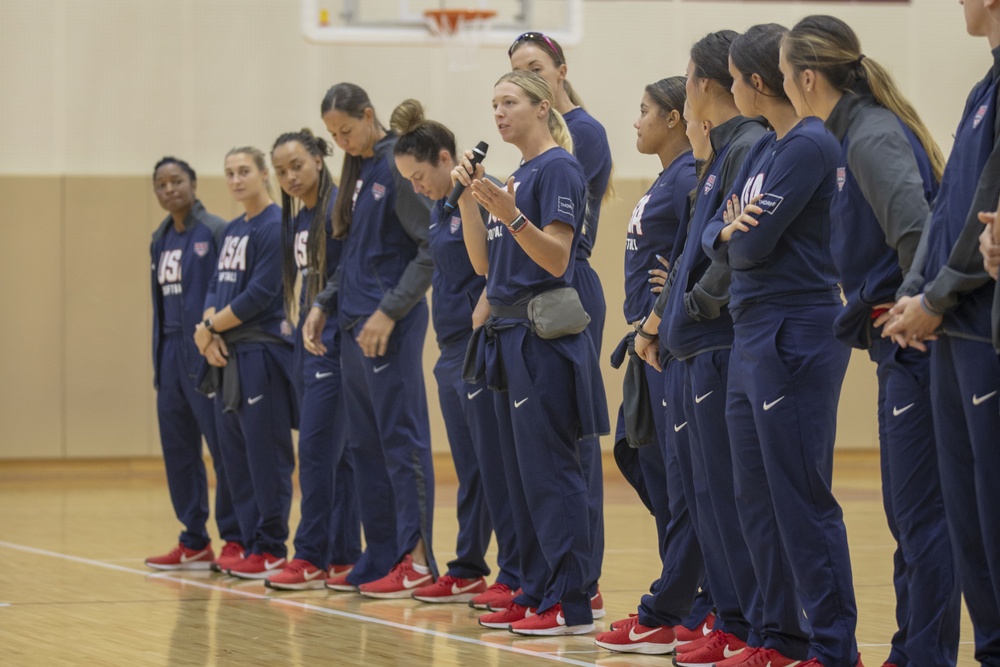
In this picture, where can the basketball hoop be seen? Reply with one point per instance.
(460, 31)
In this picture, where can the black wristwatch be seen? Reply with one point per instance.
(208, 325)
(518, 222)
(640, 332)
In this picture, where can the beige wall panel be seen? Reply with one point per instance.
(110, 404)
(31, 397)
(213, 194)
(108, 370)
(857, 420)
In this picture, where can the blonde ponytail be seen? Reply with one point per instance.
(887, 93)
(559, 130)
(829, 46)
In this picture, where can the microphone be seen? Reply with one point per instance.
(478, 153)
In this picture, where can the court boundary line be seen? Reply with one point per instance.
(291, 603)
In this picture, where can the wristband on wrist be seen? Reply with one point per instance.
(927, 307)
(208, 325)
(640, 332)
(518, 223)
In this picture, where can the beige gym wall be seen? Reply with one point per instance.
(76, 364)
(96, 91)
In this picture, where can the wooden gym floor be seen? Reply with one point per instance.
(74, 590)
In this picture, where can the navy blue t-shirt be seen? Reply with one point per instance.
(786, 258)
(455, 283)
(168, 275)
(248, 275)
(548, 188)
(652, 230)
(592, 150)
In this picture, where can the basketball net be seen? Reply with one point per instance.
(460, 31)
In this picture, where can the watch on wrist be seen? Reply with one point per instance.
(518, 223)
(208, 325)
(640, 332)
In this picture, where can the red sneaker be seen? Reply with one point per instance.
(759, 657)
(494, 598)
(340, 584)
(401, 581)
(503, 618)
(685, 635)
(632, 637)
(816, 663)
(549, 622)
(298, 575)
(450, 589)
(182, 558)
(336, 570)
(720, 646)
(257, 566)
(232, 553)
(632, 618)
(597, 605)
(692, 646)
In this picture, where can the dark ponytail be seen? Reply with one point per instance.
(350, 99)
(315, 276)
(757, 51)
(418, 137)
(710, 56)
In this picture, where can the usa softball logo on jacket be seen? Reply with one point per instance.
(709, 184)
(980, 114)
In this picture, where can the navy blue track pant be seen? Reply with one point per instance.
(785, 375)
(471, 422)
(539, 423)
(389, 433)
(329, 532)
(965, 381)
(927, 594)
(674, 598)
(588, 285)
(727, 557)
(257, 445)
(185, 416)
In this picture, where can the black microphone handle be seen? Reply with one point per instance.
(478, 154)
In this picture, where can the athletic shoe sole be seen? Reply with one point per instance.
(252, 575)
(461, 597)
(558, 630)
(196, 565)
(390, 595)
(303, 586)
(643, 648)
